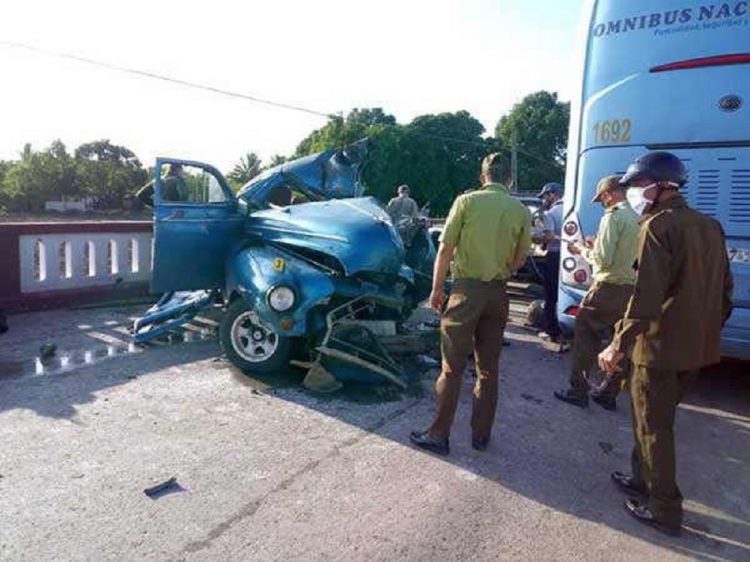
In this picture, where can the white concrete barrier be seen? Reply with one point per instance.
(52, 262)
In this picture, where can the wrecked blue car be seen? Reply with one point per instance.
(298, 257)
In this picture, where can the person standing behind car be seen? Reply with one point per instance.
(551, 196)
(402, 206)
(672, 325)
(487, 234)
(612, 257)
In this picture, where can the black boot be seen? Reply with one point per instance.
(577, 398)
(424, 440)
(606, 402)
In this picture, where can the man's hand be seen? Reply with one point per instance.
(589, 242)
(436, 299)
(609, 360)
(574, 248)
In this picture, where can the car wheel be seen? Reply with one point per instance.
(251, 344)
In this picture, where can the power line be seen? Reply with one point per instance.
(163, 78)
(239, 95)
(539, 159)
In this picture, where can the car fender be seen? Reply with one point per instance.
(253, 271)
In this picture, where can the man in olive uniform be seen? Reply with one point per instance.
(402, 206)
(672, 327)
(174, 187)
(611, 257)
(487, 235)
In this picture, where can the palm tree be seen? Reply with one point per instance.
(246, 169)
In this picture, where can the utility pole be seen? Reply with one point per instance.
(514, 162)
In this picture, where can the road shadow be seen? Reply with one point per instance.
(561, 456)
(544, 450)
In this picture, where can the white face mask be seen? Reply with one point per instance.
(638, 201)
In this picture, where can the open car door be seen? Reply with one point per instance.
(196, 219)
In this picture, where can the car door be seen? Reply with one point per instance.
(196, 218)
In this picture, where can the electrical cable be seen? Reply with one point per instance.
(155, 76)
(248, 97)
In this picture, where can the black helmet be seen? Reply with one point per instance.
(659, 166)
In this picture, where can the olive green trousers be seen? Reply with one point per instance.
(602, 307)
(654, 395)
(475, 318)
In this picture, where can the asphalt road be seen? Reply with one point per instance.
(268, 471)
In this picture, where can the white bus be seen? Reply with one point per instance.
(669, 75)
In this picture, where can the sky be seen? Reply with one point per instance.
(409, 57)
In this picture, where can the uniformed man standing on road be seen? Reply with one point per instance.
(487, 235)
(402, 206)
(672, 324)
(551, 196)
(611, 257)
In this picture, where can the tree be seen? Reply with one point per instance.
(108, 173)
(39, 176)
(340, 131)
(438, 156)
(538, 126)
(276, 160)
(246, 169)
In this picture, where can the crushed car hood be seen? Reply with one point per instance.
(332, 174)
(356, 232)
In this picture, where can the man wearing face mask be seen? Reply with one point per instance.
(671, 328)
(611, 257)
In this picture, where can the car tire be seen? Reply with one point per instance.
(252, 345)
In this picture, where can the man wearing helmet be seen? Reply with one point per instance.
(671, 328)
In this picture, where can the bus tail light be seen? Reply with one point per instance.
(571, 228)
(721, 60)
(572, 311)
(574, 270)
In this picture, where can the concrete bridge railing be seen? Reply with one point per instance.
(48, 264)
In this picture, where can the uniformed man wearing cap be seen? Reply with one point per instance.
(672, 326)
(487, 235)
(611, 256)
(402, 206)
(551, 196)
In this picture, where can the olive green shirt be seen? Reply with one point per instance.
(489, 229)
(614, 251)
(682, 293)
(401, 207)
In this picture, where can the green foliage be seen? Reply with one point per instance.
(539, 128)
(108, 173)
(38, 177)
(100, 170)
(276, 160)
(339, 132)
(437, 155)
(246, 169)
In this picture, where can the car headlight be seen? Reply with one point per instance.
(281, 299)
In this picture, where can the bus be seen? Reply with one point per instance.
(668, 75)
